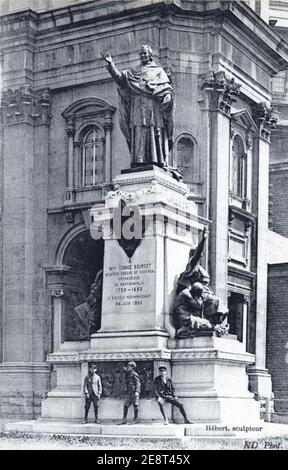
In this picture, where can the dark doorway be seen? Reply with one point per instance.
(236, 318)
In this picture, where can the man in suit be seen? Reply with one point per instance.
(92, 392)
(164, 391)
(133, 387)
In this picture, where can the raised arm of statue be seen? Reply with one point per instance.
(112, 69)
(197, 253)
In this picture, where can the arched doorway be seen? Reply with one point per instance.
(82, 257)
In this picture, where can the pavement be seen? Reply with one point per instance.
(60, 434)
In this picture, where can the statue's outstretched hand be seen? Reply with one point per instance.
(107, 57)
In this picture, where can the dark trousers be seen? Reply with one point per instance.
(88, 400)
(131, 400)
(175, 402)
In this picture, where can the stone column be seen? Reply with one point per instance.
(260, 380)
(108, 148)
(26, 117)
(69, 192)
(41, 121)
(220, 94)
(245, 319)
(57, 295)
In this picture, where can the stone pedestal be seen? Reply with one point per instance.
(139, 286)
(138, 294)
(210, 374)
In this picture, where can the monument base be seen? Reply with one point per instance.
(137, 303)
(209, 374)
(260, 382)
(125, 340)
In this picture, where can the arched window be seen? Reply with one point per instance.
(185, 158)
(89, 124)
(238, 176)
(92, 157)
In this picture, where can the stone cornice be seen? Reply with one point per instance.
(243, 214)
(26, 105)
(211, 355)
(242, 273)
(236, 13)
(278, 167)
(83, 22)
(85, 356)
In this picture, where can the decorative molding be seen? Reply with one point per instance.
(181, 355)
(87, 108)
(242, 214)
(59, 268)
(26, 105)
(241, 273)
(151, 175)
(212, 354)
(125, 355)
(62, 358)
(238, 241)
(243, 118)
(275, 167)
(183, 202)
(70, 217)
(266, 118)
(69, 199)
(68, 237)
(70, 128)
(88, 356)
(249, 141)
(108, 120)
(222, 90)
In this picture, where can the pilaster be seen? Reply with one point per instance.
(25, 115)
(219, 93)
(265, 118)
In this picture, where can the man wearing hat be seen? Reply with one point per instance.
(165, 392)
(92, 392)
(133, 387)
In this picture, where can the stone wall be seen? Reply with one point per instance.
(277, 332)
(278, 176)
(278, 204)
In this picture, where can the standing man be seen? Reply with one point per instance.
(165, 392)
(92, 392)
(133, 387)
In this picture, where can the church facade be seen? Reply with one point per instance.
(61, 147)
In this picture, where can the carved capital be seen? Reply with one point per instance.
(266, 118)
(221, 90)
(26, 105)
(70, 128)
(108, 122)
(57, 293)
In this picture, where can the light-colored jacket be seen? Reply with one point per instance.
(92, 384)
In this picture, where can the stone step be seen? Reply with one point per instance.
(112, 429)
